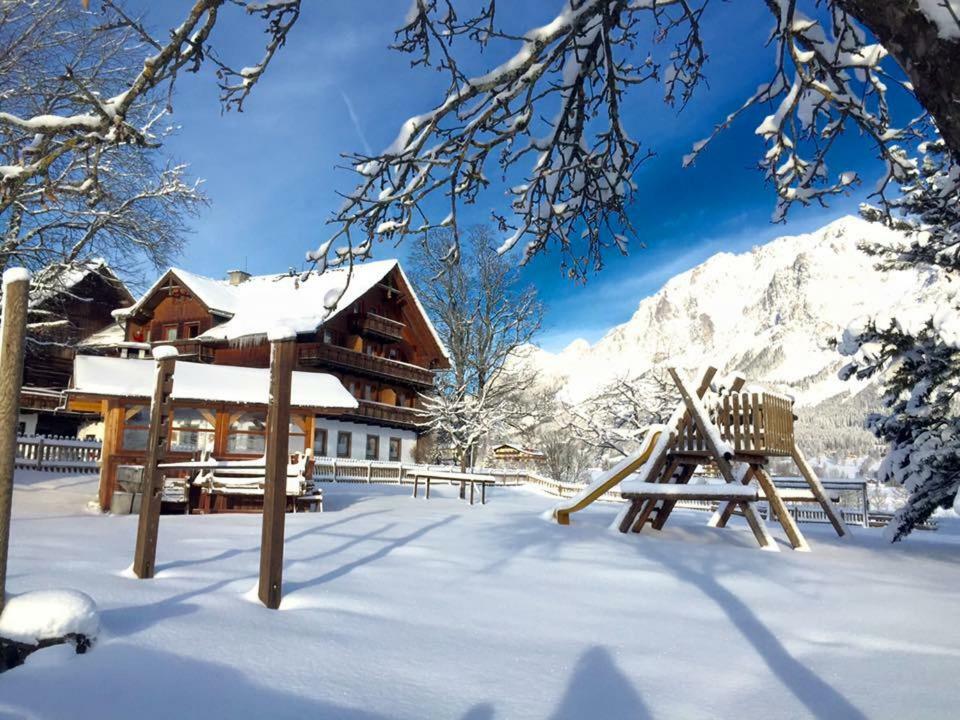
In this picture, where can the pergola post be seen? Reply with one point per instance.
(151, 484)
(16, 288)
(283, 355)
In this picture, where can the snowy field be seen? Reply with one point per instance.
(403, 608)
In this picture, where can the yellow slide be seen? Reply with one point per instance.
(611, 478)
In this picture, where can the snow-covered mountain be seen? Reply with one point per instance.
(768, 312)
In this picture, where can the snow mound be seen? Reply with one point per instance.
(47, 614)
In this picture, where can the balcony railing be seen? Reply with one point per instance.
(190, 348)
(380, 326)
(391, 414)
(318, 354)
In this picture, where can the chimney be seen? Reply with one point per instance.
(236, 277)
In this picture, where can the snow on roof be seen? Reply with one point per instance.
(264, 302)
(109, 336)
(116, 377)
(54, 280)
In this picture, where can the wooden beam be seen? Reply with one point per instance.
(836, 519)
(283, 357)
(699, 416)
(13, 334)
(145, 553)
(775, 502)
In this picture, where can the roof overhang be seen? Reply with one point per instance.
(107, 378)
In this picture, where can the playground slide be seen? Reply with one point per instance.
(611, 478)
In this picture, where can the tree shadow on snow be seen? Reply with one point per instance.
(820, 698)
(233, 552)
(598, 689)
(388, 546)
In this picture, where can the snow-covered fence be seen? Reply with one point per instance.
(43, 452)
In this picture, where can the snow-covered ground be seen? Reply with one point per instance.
(403, 608)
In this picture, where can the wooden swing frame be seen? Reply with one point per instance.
(747, 429)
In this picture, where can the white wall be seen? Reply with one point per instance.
(29, 421)
(358, 441)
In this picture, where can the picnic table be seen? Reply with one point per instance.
(427, 476)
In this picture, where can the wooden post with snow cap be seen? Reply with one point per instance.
(16, 288)
(283, 356)
(151, 487)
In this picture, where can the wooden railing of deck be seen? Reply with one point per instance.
(321, 353)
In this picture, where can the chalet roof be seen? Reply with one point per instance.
(116, 377)
(54, 280)
(264, 302)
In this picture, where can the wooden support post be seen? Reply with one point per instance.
(699, 416)
(151, 486)
(416, 483)
(774, 501)
(13, 334)
(471, 491)
(866, 506)
(833, 515)
(283, 357)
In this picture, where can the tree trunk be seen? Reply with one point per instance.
(932, 63)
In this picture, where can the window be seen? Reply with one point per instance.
(136, 427)
(192, 430)
(343, 444)
(394, 449)
(401, 399)
(247, 434)
(169, 332)
(297, 440)
(373, 447)
(368, 392)
(319, 443)
(191, 329)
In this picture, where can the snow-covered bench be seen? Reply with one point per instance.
(238, 485)
(453, 478)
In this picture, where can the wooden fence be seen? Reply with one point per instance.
(48, 453)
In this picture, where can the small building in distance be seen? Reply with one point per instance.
(66, 307)
(509, 455)
(364, 326)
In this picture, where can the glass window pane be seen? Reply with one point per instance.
(320, 443)
(135, 439)
(191, 418)
(251, 443)
(394, 449)
(343, 444)
(140, 417)
(373, 447)
(250, 422)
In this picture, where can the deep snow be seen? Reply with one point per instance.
(403, 608)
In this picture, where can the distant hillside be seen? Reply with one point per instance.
(769, 313)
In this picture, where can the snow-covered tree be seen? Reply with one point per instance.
(483, 314)
(918, 347)
(549, 118)
(614, 419)
(60, 207)
(567, 459)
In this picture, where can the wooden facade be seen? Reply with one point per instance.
(380, 347)
(79, 311)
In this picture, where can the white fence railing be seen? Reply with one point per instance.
(43, 452)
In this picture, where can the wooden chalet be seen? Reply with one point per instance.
(67, 308)
(377, 342)
(515, 456)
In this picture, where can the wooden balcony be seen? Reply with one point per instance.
(387, 414)
(319, 354)
(190, 349)
(380, 327)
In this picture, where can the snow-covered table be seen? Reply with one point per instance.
(452, 477)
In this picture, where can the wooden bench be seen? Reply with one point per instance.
(238, 485)
(452, 478)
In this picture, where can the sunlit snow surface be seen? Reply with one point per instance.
(403, 608)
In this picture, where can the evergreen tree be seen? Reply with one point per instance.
(917, 348)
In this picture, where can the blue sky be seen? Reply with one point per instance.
(271, 174)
